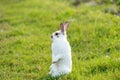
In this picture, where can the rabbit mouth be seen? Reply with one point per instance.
(51, 37)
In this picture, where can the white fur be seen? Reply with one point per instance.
(61, 55)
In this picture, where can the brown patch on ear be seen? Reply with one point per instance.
(62, 27)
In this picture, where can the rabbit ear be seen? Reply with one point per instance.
(66, 25)
(62, 27)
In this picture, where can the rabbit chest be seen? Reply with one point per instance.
(59, 47)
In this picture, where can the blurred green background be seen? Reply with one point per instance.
(94, 35)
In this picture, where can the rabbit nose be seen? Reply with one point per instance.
(51, 36)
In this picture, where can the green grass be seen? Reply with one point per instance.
(25, 44)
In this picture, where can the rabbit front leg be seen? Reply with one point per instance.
(56, 58)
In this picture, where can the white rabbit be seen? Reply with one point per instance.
(61, 52)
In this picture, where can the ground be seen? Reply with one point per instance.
(25, 44)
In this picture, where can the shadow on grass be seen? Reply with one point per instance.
(49, 77)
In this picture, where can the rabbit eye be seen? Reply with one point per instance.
(56, 33)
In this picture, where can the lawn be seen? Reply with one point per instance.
(25, 43)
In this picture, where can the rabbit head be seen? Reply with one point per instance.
(61, 34)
